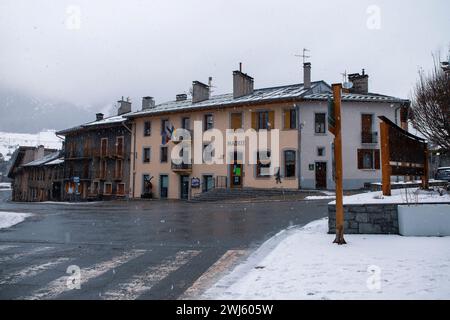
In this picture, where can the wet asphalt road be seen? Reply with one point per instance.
(132, 249)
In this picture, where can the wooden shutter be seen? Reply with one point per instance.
(255, 120)
(377, 159)
(236, 121)
(360, 158)
(272, 119)
(287, 119)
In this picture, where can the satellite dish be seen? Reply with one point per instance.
(347, 85)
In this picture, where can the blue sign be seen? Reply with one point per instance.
(76, 179)
(195, 183)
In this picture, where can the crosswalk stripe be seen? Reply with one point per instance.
(143, 282)
(24, 254)
(31, 271)
(223, 264)
(59, 286)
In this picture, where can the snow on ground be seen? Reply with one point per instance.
(410, 195)
(9, 142)
(8, 219)
(320, 197)
(306, 265)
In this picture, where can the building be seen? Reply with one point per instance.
(97, 157)
(298, 111)
(36, 173)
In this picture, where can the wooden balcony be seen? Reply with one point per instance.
(181, 168)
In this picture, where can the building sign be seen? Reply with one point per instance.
(76, 179)
(195, 183)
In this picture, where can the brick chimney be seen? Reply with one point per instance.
(360, 82)
(148, 103)
(98, 116)
(200, 92)
(124, 106)
(39, 152)
(307, 75)
(242, 83)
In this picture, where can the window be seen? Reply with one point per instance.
(146, 155)
(369, 159)
(209, 122)
(320, 151)
(164, 152)
(290, 119)
(104, 147)
(147, 128)
(121, 189)
(367, 134)
(146, 184)
(209, 152)
(119, 146)
(262, 163)
(186, 123)
(236, 121)
(319, 123)
(108, 188)
(289, 163)
(119, 169)
(263, 120)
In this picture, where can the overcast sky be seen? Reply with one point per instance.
(92, 52)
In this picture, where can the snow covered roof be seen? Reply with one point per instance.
(55, 162)
(43, 160)
(359, 97)
(104, 122)
(289, 92)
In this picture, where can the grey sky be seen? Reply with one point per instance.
(136, 48)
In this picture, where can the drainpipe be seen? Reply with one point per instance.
(299, 144)
(133, 136)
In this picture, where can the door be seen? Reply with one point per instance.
(56, 191)
(184, 187)
(236, 172)
(321, 175)
(163, 186)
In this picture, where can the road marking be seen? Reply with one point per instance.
(206, 280)
(146, 280)
(59, 286)
(24, 254)
(31, 271)
(6, 247)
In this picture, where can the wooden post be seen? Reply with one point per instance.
(425, 184)
(337, 89)
(385, 163)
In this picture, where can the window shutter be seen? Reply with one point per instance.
(360, 158)
(377, 159)
(254, 120)
(287, 119)
(272, 119)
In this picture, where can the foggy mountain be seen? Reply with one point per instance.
(21, 112)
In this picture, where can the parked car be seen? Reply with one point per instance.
(443, 173)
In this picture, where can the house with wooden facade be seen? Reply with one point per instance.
(97, 157)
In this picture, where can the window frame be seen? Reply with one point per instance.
(294, 163)
(316, 114)
(144, 160)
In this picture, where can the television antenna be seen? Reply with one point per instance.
(345, 83)
(304, 56)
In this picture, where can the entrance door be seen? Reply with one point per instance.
(56, 191)
(163, 186)
(321, 175)
(184, 187)
(236, 171)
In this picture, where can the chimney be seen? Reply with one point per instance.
(39, 152)
(181, 97)
(242, 83)
(307, 75)
(360, 82)
(200, 92)
(98, 116)
(124, 106)
(148, 103)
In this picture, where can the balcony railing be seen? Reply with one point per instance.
(183, 167)
(369, 137)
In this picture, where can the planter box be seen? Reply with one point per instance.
(424, 220)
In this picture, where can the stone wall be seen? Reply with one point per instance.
(366, 219)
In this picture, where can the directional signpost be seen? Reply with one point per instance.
(334, 126)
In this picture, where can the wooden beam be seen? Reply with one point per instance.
(385, 164)
(425, 183)
(337, 89)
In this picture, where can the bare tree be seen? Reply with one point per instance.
(430, 110)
